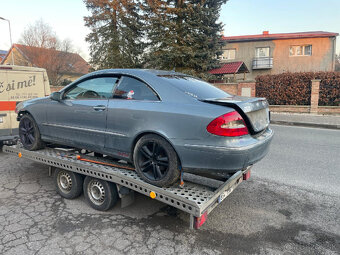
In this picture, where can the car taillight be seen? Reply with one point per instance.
(229, 124)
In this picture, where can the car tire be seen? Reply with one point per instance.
(156, 161)
(99, 194)
(29, 133)
(68, 184)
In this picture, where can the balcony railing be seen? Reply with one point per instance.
(262, 63)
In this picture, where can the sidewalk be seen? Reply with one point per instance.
(307, 120)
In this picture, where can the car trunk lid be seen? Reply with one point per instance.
(255, 111)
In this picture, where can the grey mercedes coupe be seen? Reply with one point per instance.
(161, 121)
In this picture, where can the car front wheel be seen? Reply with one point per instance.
(29, 133)
(156, 161)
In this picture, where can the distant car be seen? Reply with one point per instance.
(159, 120)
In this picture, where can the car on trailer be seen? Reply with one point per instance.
(161, 121)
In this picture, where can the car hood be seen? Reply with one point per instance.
(22, 105)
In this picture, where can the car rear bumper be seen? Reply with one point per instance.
(231, 154)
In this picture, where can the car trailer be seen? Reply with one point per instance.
(198, 196)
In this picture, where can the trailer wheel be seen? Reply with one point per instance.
(68, 184)
(100, 195)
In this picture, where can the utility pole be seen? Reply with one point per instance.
(10, 36)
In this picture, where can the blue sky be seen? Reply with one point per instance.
(240, 17)
(280, 16)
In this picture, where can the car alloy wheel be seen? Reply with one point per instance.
(27, 134)
(156, 161)
(153, 160)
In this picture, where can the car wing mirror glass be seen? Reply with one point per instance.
(56, 96)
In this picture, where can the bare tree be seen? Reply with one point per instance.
(47, 51)
(39, 34)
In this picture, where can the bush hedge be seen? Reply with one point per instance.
(295, 88)
(329, 88)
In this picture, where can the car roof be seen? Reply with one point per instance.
(151, 76)
(136, 72)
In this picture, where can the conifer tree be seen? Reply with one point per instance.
(184, 34)
(116, 37)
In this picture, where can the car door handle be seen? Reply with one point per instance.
(99, 108)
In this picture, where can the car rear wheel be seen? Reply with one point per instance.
(29, 133)
(156, 161)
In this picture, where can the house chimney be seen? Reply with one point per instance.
(265, 32)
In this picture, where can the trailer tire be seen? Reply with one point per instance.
(68, 184)
(99, 194)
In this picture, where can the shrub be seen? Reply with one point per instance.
(295, 88)
(329, 88)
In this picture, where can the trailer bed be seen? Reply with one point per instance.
(196, 199)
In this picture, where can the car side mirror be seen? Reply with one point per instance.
(56, 96)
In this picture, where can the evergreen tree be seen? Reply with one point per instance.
(116, 38)
(184, 34)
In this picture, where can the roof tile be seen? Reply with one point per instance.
(265, 36)
(71, 62)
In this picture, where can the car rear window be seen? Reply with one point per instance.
(195, 87)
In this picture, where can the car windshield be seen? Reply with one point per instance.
(195, 87)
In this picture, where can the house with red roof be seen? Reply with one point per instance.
(61, 66)
(268, 53)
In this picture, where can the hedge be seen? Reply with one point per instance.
(329, 88)
(295, 88)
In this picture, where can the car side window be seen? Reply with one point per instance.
(96, 88)
(131, 88)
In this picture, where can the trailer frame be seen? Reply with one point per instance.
(195, 199)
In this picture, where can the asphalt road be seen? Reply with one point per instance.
(303, 157)
(290, 206)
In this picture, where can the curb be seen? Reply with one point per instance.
(305, 124)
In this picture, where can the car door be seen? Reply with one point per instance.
(126, 116)
(79, 119)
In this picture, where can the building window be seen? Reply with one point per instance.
(228, 54)
(300, 50)
(262, 52)
(308, 50)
